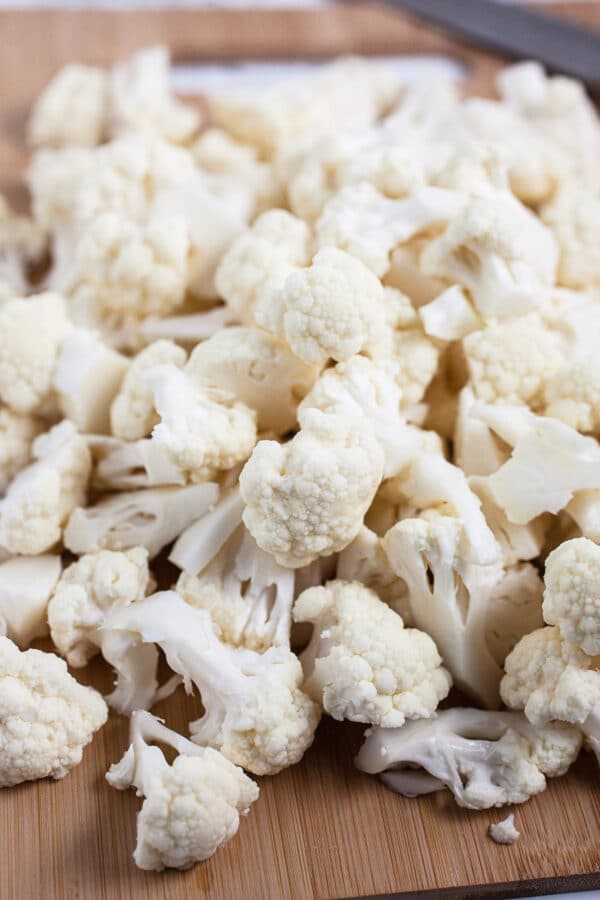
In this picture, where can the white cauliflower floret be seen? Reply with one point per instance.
(201, 430)
(572, 394)
(87, 591)
(54, 179)
(550, 462)
(415, 359)
(574, 217)
(41, 498)
(333, 309)
(308, 498)
(31, 334)
(449, 598)
(485, 759)
(71, 110)
(255, 711)
(512, 361)
(140, 99)
(46, 717)
(248, 594)
(260, 260)
(365, 560)
(17, 434)
(150, 519)
(191, 808)
(88, 375)
(259, 369)
(361, 663)
(26, 585)
(551, 679)
(347, 95)
(499, 252)
(369, 226)
(122, 272)
(572, 594)
(132, 414)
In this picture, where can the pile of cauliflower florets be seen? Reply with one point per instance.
(333, 350)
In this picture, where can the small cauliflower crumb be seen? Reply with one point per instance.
(504, 832)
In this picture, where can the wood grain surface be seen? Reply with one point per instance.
(321, 829)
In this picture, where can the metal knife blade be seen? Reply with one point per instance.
(561, 46)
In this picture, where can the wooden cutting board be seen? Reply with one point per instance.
(321, 829)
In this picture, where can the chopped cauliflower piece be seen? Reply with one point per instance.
(41, 498)
(333, 309)
(260, 260)
(32, 331)
(132, 413)
(307, 498)
(572, 394)
(255, 711)
(17, 434)
(365, 560)
(504, 832)
(86, 592)
(71, 111)
(191, 807)
(574, 218)
(140, 99)
(486, 759)
(572, 594)
(47, 717)
(26, 585)
(361, 663)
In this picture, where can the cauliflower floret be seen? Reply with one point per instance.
(260, 260)
(150, 519)
(54, 179)
(248, 594)
(17, 434)
(365, 560)
(41, 498)
(551, 679)
(255, 711)
(88, 589)
(347, 95)
(71, 111)
(122, 272)
(369, 226)
(497, 250)
(140, 99)
(572, 594)
(46, 717)
(334, 309)
(31, 334)
(574, 217)
(512, 361)
(485, 758)
(504, 832)
(132, 414)
(22, 242)
(361, 663)
(26, 585)
(415, 360)
(191, 808)
(259, 369)
(201, 429)
(308, 498)
(572, 394)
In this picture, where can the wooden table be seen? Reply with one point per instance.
(321, 829)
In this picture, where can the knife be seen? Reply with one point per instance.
(561, 46)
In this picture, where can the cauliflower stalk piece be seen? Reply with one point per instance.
(361, 663)
(26, 585)
(41, 498)
(486, 759)
(307, 498)
(333, 309)
(191, 807)
(87, 591)
(46, 717)
(255, 711)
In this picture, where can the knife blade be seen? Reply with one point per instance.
(561, 46)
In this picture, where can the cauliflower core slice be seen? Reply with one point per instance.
(361, 663)
(46, 718)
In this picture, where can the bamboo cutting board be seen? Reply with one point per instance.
(321, 829)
